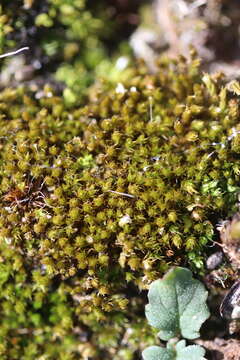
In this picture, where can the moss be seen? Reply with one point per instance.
(74, 41)
(98, 201)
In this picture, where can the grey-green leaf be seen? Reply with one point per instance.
(174, 351)
(177, 305)
(191, 352)
(158, 353)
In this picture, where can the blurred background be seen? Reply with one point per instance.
(76, 41)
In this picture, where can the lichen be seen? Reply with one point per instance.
(99, 200)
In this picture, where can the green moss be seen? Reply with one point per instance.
(98, 201)
(74, 41)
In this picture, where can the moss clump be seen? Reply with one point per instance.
(100, 200)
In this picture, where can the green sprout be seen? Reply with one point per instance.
(177, 308)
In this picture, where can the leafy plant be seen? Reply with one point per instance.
(177, 307)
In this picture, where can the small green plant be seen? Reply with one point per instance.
(177, 307)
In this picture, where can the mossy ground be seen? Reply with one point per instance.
(102, 188)
(99, 200)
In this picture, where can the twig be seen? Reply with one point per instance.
(121, 193)
(14, 52)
